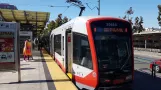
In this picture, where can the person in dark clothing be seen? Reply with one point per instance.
(39, 44)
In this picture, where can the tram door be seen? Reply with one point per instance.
(68, 52)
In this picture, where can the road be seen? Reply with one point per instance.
(142, 62)
(143, 80)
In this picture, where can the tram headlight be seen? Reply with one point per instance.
(129, 77)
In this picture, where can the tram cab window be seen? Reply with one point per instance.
(81, 51)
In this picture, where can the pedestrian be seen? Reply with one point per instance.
(27, 49)
(39, 44)
(42, 44)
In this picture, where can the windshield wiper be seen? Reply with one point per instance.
(129, 55)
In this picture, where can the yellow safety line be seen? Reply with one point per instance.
(69, 75)
(61, 80)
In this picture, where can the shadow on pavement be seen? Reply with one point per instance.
(38, 81)
(27, 68)
(144, 81)
(40, 60)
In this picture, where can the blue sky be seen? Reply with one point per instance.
(146, 8)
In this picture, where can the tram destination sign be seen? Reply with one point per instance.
(113, 30)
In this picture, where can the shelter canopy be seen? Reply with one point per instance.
(34, 18)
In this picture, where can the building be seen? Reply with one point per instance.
(7, 6)
(148, 40)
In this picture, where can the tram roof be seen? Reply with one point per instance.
(26, 17)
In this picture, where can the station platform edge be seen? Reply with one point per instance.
(60, 79)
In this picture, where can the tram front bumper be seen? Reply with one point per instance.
(118, 87)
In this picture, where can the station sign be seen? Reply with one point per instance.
(25, 33)
(9, 52)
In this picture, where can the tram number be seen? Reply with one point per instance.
(78, 73)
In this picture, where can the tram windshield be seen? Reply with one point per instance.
(113, 45)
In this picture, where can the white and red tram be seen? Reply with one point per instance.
(96, 52)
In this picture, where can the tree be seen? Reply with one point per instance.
(65, 19)
(159, 15)
(138, 24)
(59, 21)
(124, 17)
(51, 25)
(129, 12)
(44, 32)
(54, 24)
(141, 28)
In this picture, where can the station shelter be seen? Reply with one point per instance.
(30, 21)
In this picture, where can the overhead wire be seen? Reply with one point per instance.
(67, 8)
(90, 7)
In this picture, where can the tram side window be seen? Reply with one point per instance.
(57, 43)
(81, 51)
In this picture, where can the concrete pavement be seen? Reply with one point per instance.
(147, 54)
(143, 60)
(32, 76)
(143, 79)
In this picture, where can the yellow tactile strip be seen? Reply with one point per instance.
(61, 80)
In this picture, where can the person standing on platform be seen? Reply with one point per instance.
(27, 49)
(39, 44)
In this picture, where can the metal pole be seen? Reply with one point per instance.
(18, 56)
(36, 24)
(98, 7)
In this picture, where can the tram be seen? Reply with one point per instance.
(95, 52)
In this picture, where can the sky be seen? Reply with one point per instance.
(115, 8)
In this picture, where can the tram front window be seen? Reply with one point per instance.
(112, 52)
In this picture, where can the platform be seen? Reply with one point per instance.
(41, 73)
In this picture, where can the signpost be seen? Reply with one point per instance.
(9, 47)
